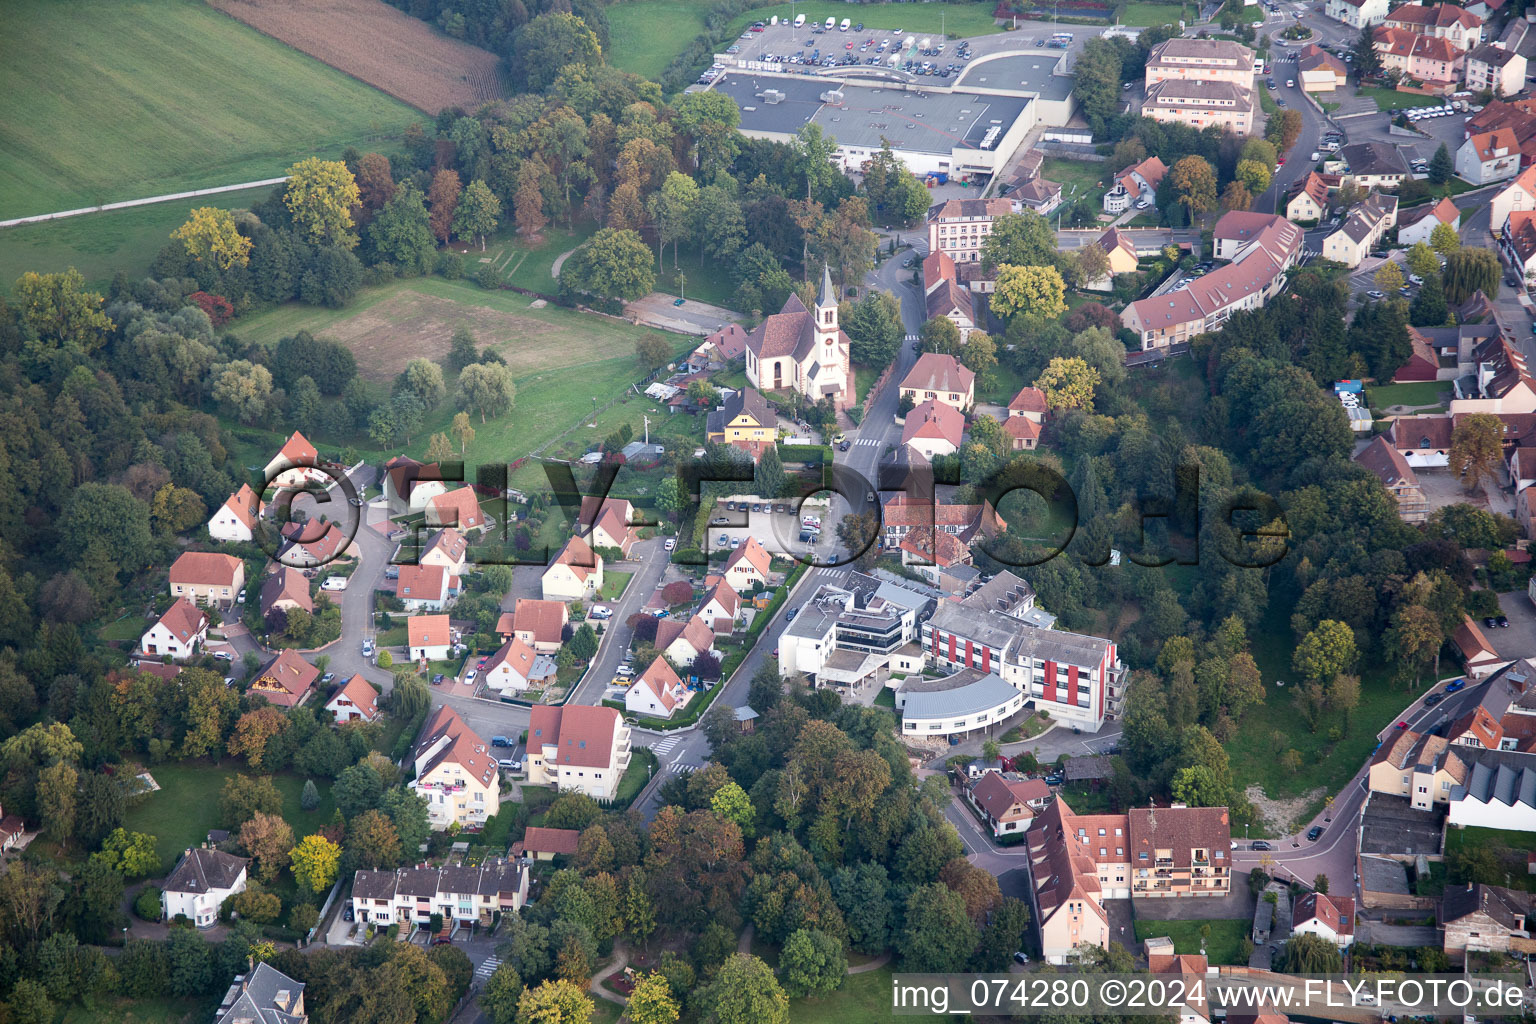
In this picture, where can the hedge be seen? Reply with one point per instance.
(814, 454)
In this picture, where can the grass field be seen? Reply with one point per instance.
(118, 100)
(1223, 947)
(1417, 393)
(140, 1011)
(863, 999)
(614, 583)
(100, 244)
(644, 37)
(1390, 99)
(186, 805)
(954, 20)
(1089, 180)
(1509, 847)
(1149, 14)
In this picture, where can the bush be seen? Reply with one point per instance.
(450, 266)
(488, 277)
(147, 903)
(386, 660)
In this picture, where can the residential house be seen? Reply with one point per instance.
(682, 641)
(1518, 242)
(959, 227)
(425, 587)
(1187, 1000)
(1486, 918)
(1438, 21)
(539, 624)
(447, 549)
(1519, 116)
(427, 637)
(1026, 414)
(1320, 71)
(236, 519)
(287, 680)
(722, 348)
(1237, 230)
(1437, 63)
(1330, 918)
(456, 773)
(464, 896)
(264, 995)
(576, 574)
(1310, 201)
(1421, 768)
(606, 523)
(931, 551)
(12, 829)
(1008, 803)
(1357, 13)
(901, 514)
(1180, 851)
(311, 544)
(200, 883)
(1424, 442)
(1203, 60)
(945, 297)
(356, 701)
(1256, 273)
(458, 508)
(721, 609)
(942, 378)
(1492, 68)
(549, 843)
(1418, 224)
(658, 692)
(1498, 383)
(1362, 230)
(296, 465)
(745, 416)
(1388, 465)
(1136, 184)
(1489, 157)
(178, 634)
(933, 428)
(747, 569)
(409, 485)
(204, 577)
(516, 667)
(1201, 104)
(1066, 895)
(1478, 656)
(1373, 165)
(287, 588)
(578, 749)
(1519, 194)
(1121, 250)
(1498, 796)
(1037, 194)
(803, 350)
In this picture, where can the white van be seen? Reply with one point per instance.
(846, 25)
(799, 20)
(831, 22)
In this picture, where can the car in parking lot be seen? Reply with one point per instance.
(1456, 685)
(1314, 833)
(328, 677)
(1490, 621)
(719, 521)
(1373, 293)
(1501, 621)
(669, 544)
(1261, 845)
(724, 539)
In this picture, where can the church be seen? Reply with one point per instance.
(803, 351)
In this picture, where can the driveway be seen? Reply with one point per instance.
(1518, 639)
(1236, 904)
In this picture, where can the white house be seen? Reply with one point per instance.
(356, 701)
(409, 485)
(575, 575)
(578, 749)
(1489, 157)
(684, 641)
(1496, 796)
(516, 667)
(1518, 195)
(1418, 224)
(179, 632)
(747, 568)
(456, 773)
(199, 885)
(425, 587)
(296, 464)
(1331, 918)
(235, 521)
(658, 692)
(721, 609)
(428, 637)
(465, 895)
(1357, 13)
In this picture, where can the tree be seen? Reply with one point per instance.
(243, 796)
(358, 789)
(487, 388)
(29, 1003)
(209, 234)
(1421, 259)
(372, 842)
(812, 963)
(424, 379)
(1283, 129)
(443, 200)
(57, 786)
(1476, 447)
(744, 992)
(502, 992)
(1429, 308)
(939, 934)
(940, 335)
(462, 431)
(1389, 278)
(612, 264)
(1309, 954)
(979, 353)
(672, 211)
(268, 838)
(60, 310)
(439, 448)
(1441, 166)
(652, 1001)
(1254, 175)
(769, 474)
(874, 328)
(1367, 60)
(401, 233)
(554, 1002)
(190, 961)
(320, 195)
(315, 861)
(731, 802)
(1325, 652)
(309, 796)
(528, 205)
(478, 212)
(1088, 266)
(131, 854)
(548, 44)
(1414, 637)
(1444, 239)
(1036, 293)
(1019, 239)
(653, 351)
(254, 731)
(243, 388)
(1068, 383)
(1468, 271)
(1194, 183)
(1236, 197)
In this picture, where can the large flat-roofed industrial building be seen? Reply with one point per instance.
(960, 132)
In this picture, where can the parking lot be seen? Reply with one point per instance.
(779, 531)
(819, 50)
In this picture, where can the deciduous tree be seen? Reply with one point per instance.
(61, 310)
(487, 388)
(314, 861)
(1068, 383)
(320, 195)
(443, 200)
(1036, 293)
(1194, 183)
(1476, 448)
(478, 212)
(209, 233)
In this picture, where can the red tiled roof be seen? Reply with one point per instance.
(287, 584)
(516, 655)
(319, 540)
(577, 554)
(464, 748)
(942, 549)
(427, 631)
(752, 553)
(936, 372)
(544, 619)
(1029, 399)
(934, 419)
(458, 507)
(663, 682)
(583, 736)
(184, 619)
(1022, 428)
(450, 542)
(205, 569)
(550, 840)
(422, 583)
(1337, 913)
(286, 680)
(298, 450)
(244, 506)
(695, 631)
(362, 695)
(996, 794)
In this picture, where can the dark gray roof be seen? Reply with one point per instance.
(1095, 766)
(1382, 874)
(265, 996)
(1373, 158)
(490, 877)
(750, 401)
(1502, 905)
(201, 871)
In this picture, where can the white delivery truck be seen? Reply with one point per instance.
(846, 25)
(831, 23)
(799, 20)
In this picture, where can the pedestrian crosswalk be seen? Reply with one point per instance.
(666, 745)
(868, 441)
(836, 570)
(683, 768)
(487, 967)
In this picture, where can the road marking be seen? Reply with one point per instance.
(666, 745)
(870, 441)
(488, 967)
(683, 768)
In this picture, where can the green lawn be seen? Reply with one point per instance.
(954, 19)
(1268, 102)
(101, 244)
(1081, 178)
(614, 583)
(1509, 847)
(117, 100)
(863, 999)
(709, 282)
(645, 36)
(1223, 947)
(1390, 99)
(1148, 14)
(186, 805)
(1417, 393)
(141, 1011)
(642, 765)
(528, 266)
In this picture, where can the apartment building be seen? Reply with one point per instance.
(1202, 60)
(1496, 69)
(207, 578)
(959, 227)
(465, 895)
(1489, 157)
(578, 749)
(1362, 230)
(1437, 63)
(456, 773)
(1201, 104)
(845, 634)
(1438, 21)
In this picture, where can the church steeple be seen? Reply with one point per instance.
(826, 304)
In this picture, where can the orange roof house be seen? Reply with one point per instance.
(287, 680)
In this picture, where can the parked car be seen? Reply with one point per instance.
(1020, 958)
(1376, 294)
(500, 741)
(669, 544)
(1314, 833)
(600, 611)
(241, 598)
(1491, 621)
(1433, 699)
(347, 913)
(1456, 685)
(223, 655)
(1261, 845)
(437, 680)
(327, 678)
(1501, 622)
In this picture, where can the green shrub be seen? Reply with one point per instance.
(147, 903)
